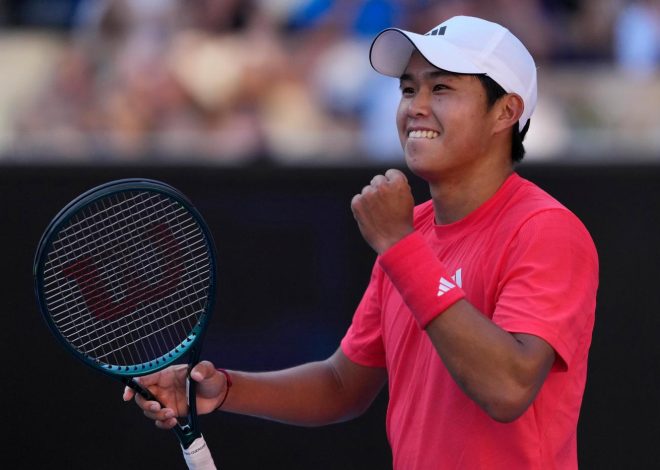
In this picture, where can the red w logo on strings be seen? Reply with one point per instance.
(136, 290)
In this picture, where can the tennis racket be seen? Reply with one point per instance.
(125, 278)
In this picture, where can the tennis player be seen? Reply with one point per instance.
(480, 308)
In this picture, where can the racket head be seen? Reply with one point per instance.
(125, 277)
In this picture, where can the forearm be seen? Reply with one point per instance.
(500, 371)
(312, 394)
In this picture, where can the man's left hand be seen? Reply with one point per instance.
(384, 210)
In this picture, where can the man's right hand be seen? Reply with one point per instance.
(169, 387)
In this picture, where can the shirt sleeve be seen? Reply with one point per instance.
(549, 282)
(363, 342)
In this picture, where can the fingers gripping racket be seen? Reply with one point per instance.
(125, 278)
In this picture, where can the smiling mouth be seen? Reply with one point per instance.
(423, 134)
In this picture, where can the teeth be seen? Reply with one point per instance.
(423, 134)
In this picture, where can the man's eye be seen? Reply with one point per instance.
(440, 87)
(407, 91)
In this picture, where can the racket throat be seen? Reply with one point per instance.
(186, 435)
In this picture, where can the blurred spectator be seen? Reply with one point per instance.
(591, 28)
(637, 37)
(337, 35)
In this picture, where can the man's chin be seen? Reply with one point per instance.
(419, 170)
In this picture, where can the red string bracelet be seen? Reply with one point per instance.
(226, 374)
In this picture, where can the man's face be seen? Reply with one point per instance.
(443, 121)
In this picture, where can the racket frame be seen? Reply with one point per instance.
(186, 432)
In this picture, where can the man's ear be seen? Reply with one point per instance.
(508, 110)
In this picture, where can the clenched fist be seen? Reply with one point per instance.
(384, 210)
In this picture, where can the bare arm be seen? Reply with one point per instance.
(312, 394)
(502, 372)
(316, 393)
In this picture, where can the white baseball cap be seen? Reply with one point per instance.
(463, 44)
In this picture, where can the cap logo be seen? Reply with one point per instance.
(437, 31)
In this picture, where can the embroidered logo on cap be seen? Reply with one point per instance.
(437, 31)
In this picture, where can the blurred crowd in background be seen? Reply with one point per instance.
(289, 81)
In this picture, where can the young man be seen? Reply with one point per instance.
(480, 308)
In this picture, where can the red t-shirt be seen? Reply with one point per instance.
(527, 263)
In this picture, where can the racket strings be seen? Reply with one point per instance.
(67, 321)
(140, 279)
(86, 224)
(70, 239)
(112, 273)
(116, 328)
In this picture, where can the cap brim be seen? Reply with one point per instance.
(392, 48)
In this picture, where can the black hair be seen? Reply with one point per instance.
(493, 93)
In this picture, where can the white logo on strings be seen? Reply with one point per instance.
(445, 286)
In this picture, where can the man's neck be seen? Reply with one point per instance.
(456, 196)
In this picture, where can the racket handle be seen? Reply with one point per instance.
(144, 392)
(198, 456)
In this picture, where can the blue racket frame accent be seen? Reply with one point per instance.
(151, 366)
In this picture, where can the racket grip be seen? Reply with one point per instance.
(198, 456)
(144, 392)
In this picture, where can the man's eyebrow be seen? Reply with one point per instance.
(433, 74)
